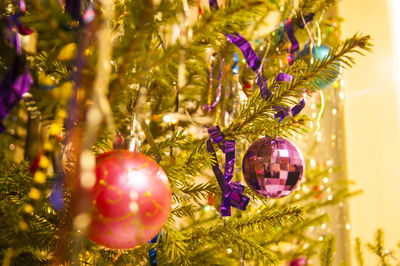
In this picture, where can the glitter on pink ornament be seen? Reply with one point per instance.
(273, 167)
(131, 200)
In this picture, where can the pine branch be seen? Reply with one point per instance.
(378, 248)
(188, 165)
(174, 247)
(183, 211)
(179, 139)
(185, 191)
(338, 197)
(296, 231)
(359, 252)
(327, 250)
(256, 109)
(52, 66)
(231, 237)
(262, 220)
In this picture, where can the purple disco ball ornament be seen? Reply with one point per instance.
(273, 167)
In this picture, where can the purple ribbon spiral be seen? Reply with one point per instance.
(210, 107)
(232, 193)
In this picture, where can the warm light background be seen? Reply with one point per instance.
(372, 90)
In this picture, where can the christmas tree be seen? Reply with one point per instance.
(190, 89)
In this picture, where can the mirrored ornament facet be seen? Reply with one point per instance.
(273, 167)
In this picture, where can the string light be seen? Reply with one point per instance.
(28, 208)
(34, 193)
(82, 221)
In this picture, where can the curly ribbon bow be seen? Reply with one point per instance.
(232, 193)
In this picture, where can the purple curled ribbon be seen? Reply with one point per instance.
(254, 62)
(251, 57)
(284, 77)
(232, 193)
(249, 54)
(207, 107)
(283, 112)
(297, 108)
(292, 38)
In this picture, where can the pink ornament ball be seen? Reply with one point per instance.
(273, 168)
(302, 261)
(131, 200)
